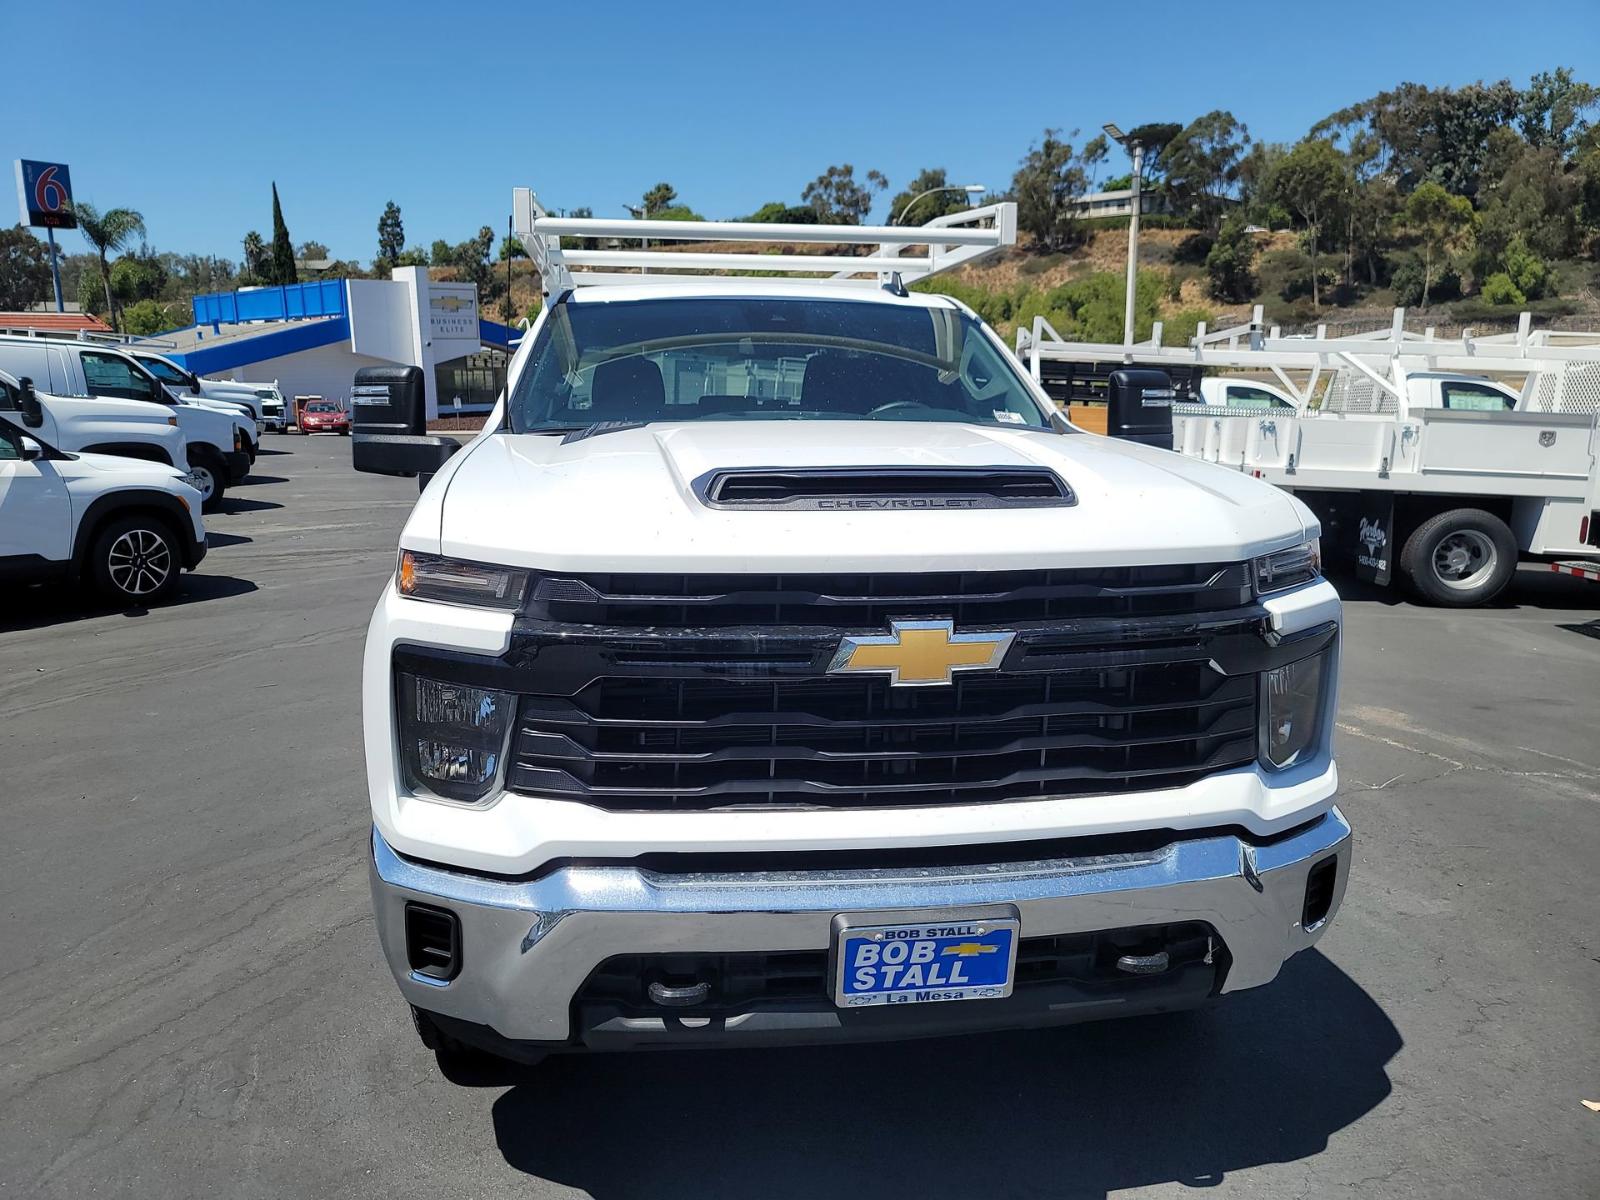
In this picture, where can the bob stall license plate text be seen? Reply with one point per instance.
(924, 962)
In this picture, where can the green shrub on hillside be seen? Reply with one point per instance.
(1408, 279)
(1093, 305)
(1499, 289)
(1523, 269)
(1179, 328)
(1081, 310)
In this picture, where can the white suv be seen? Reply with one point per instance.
(126, 527)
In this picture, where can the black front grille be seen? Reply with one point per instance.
(674, 692)
(856, 601)
(656, 742)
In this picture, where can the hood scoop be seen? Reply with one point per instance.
(868, 489)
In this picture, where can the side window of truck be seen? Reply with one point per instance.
(1476, 397)
(1249, 397)
(9, 401)
(109, 375)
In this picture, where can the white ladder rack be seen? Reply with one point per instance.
(947, 242)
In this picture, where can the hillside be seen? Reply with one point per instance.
(1011, 287)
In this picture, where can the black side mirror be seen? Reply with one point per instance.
(403, 454)
(194, 384)
(32, 410)
(388, 423)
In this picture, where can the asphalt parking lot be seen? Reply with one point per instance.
(194, 1002)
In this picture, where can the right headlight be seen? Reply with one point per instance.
(1291, 710)
(457, 581)
(1285, 569)
(452, 736)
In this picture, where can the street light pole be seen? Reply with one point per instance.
(1133, 248)
(638, 214)
(1136, 149)
(972, 189)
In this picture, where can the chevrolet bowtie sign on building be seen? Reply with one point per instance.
(921, 653)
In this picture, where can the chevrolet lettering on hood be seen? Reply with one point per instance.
(880, 502)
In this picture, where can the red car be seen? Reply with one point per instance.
(324, 417)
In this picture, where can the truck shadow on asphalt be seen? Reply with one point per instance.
(1265, 1076)
(233, 504)
(44, 605)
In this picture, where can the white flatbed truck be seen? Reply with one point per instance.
(1444, 461)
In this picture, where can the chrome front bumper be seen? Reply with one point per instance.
(527, 947)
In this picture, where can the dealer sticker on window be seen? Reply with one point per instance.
(924, 962)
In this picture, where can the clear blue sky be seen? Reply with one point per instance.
(445, 107)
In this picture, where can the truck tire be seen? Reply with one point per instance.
(135, 561)
(211, 480)
(459, 1062)
(1460, 558)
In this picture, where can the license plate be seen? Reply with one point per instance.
(923, 962)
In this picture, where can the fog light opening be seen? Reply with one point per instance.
(433, 942)
(1319, 893)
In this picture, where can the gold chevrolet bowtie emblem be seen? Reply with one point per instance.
(968, 949)
(921, 652)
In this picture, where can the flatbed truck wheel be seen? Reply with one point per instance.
(1460, 558)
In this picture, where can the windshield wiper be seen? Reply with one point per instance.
(599, 427)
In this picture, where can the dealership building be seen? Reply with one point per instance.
(311, 338)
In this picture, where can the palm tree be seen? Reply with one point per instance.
(255, 253)
(108, 232)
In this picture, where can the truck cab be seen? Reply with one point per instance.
(183, 383)
(776, 666)
(1227, 391)
(1458, 393)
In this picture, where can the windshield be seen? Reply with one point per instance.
(323, 408)
(164, 371)
(765, 359)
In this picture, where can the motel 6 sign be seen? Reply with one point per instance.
(44, 194)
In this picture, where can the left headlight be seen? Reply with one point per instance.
(1285, 569)
(456, 581)
(1291, 710)
(452, 736)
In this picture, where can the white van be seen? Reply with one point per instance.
(216, 442)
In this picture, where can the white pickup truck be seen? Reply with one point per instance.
(94, 425)
(183, 382)
(217, 442)
(776, 666)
